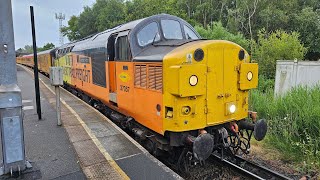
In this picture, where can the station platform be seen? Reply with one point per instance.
(92, 146)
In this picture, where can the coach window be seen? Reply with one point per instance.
(123, 51)
(171, 29)
(148, 34)
(189, 33)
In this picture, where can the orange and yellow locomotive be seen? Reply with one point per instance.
(159, 80)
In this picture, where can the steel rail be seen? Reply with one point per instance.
(265, 169)
(260, 172)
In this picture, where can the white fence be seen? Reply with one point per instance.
(294, 73)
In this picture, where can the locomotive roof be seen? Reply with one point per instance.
(99, 40)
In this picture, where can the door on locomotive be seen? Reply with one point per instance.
(112, 68)
(222, 84)
(124, 72)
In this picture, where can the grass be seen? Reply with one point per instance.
(293, 123)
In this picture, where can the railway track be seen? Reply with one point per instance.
(250, 169)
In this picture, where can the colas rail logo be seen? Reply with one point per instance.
(124, 77)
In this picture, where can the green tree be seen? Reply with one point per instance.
(245, 17)
(138, 9)
(47, 47)
(218, 32)
(276, 46)
(87, 22)
(307, 23)
(72, 30)
(28, 49)
(111, 14)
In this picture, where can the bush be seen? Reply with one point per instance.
(265, 84)
(276, 46)
(293, 123)
(218, 32)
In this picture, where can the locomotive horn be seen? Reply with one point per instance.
(259, 128)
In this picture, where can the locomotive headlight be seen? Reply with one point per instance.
(232, 108)
(193, 80)
(249, 76)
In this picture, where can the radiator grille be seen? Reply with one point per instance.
(155, 77)
(148, 76)
(140, 76)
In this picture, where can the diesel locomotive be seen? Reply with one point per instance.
(180, 95)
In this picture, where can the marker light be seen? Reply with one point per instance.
(232, 108)
(193, 80)
(249, 76)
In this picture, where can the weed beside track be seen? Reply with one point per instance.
(293, 124)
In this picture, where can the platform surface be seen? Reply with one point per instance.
(103, 149)
(47, 146)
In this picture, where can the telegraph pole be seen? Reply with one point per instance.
(12, 141)
(60, 17)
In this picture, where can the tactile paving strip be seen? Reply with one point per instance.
(101, 171)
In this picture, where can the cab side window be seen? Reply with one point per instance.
(123, 50)
(189, 33)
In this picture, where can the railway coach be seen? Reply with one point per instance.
(45, 60)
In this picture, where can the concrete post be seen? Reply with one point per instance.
(13, 151)
(58, 106)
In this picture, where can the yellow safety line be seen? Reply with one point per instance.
(92, 136)
(114, 125)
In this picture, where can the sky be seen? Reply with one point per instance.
(47, 26)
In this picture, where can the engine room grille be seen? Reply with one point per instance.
(155, 77)
(140, 76)
(148, 76)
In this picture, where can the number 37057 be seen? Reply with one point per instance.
(124, 88)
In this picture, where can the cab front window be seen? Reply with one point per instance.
(148, 34)
(171, 29)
